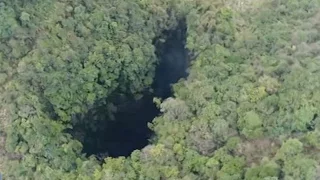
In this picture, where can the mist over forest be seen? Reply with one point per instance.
(160, 89)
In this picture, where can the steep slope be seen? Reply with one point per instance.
(249, 108)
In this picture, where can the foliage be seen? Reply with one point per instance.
(249, 108)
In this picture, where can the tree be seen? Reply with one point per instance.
(253, 84)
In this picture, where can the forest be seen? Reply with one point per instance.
(160, 89)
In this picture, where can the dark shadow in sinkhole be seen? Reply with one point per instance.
(129, 130)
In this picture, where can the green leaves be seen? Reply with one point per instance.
(25, 17)
(296, 165)
(289, 149)
(267, 169)
(8, 22)
(254, 83)
(251, 125)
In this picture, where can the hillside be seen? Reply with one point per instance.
(160, 89)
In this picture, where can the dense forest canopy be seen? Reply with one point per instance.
(244, 91)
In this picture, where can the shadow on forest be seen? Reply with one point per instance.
(129, 130)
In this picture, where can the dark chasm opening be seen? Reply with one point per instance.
(127, 129)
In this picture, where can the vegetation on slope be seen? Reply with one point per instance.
(248, 110)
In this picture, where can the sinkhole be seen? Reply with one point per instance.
(128, 131)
